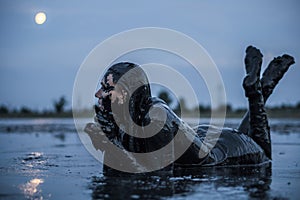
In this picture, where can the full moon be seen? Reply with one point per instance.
(40, 18)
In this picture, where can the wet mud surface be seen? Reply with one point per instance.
(45, 159)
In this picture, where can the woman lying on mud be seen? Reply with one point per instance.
(128, 117)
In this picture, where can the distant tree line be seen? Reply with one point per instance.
(177, 105)
(59, 109)
(283, 110)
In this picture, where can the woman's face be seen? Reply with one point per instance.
(108, 93)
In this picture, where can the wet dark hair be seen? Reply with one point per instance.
(118, 70)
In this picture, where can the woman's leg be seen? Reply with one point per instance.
(271, 76)
(259, 129)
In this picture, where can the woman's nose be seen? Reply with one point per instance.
(98, 94)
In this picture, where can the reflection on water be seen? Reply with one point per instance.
(31, 162)
(30, 189)
(213, 182)
(34, 164)
(33, 156)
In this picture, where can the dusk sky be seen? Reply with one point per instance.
(39, 62)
